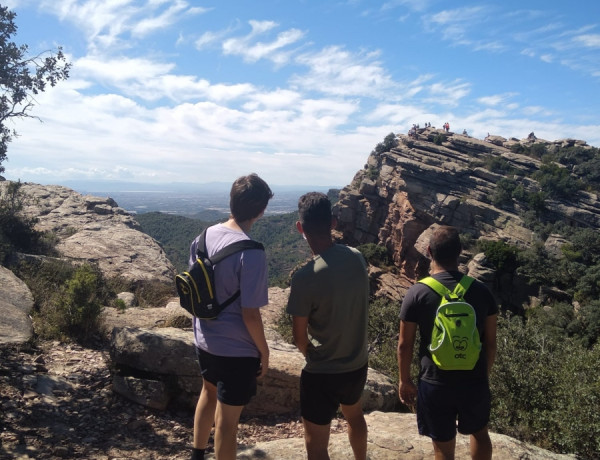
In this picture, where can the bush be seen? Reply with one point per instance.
(545, 389)
(374, 254)
(68, 299)
(501, 254)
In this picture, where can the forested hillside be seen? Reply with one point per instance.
(284, 246)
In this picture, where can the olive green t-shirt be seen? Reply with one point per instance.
(332, 290)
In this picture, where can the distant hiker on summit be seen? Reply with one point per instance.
(232, 349)
(328, 302)
(453, 380)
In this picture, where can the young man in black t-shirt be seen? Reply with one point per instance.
(443, 397)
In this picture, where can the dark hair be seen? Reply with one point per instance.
(445, 245)
(249, 197)
(314, 209)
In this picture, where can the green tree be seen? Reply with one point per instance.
(22, 77)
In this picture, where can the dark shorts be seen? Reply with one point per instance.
(439, 406)
(235, 378)
(322, 394)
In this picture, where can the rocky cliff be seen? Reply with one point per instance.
(97, 230)
(436, 178)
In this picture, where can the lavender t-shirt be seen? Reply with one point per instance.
(247, 270)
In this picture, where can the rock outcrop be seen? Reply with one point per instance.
(97, 230)
(16, 303)
(393, 436)
(430, 180)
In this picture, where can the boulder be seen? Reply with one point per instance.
(392, 436)
(97, 230)
(166, 357)
(16, 303)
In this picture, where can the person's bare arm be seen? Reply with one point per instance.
(253, 321)
(407, 390)
(300, 332)
(489, 340)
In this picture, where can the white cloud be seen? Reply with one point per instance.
(496, 99)
(588, 40)
(252, 50)
(336, 71)
(109, 24)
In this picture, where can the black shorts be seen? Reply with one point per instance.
(235, 378)
(321, 394)
(439, 406)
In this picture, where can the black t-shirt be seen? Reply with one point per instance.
(420, 305)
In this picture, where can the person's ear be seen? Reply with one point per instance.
(299, 226)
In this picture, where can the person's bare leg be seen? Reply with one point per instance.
(226, 426)
(316, 439)
(357, 429)
(444, 450)
(204, 417)
(481, 445)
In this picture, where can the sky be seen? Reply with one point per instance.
(297, 91)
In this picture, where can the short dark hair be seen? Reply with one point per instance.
(445, 245)
(314, 209)
(249, 197)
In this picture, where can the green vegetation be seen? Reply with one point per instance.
(389, 142)
(546, 389)
(22, 78)
(284, 246)
(68, 299)
(375, 254)
(174, 233)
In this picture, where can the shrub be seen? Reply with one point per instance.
(501, 254)
(545, 389)
(68, 299)
(439, 139)
(374, 254)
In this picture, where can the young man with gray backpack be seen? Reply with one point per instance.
(456, 318)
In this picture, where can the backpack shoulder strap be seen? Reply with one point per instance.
(227, 250)
(460, 289)
(235, 247)
(463, 285)
(435, 285)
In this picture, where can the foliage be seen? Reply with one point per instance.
(375, 254)
(557, 181)
(284, 246)
(383, 336)
(372, 173)
(502, 255)
(174, 233)
(389, 142)
(68, 299)
(538, 378)
(503, 193)
(439, 139)
(22, 77)
(498, 165)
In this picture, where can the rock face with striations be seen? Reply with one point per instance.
(97, 230)
(403, 192)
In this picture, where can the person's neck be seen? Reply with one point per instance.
(244, 226)
(319, 245)
(435, 268)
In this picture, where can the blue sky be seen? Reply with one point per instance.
(299, 92)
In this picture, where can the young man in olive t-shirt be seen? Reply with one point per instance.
(329, 304)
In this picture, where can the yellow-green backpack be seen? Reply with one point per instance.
(455, 342)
